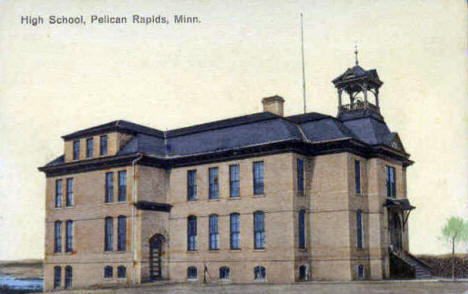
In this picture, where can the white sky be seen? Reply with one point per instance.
(58, 79)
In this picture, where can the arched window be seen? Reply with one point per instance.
(108, 272)
(108, 229)
(360, 272)
(191, 273)
(301, 223)
(58, 237)
(68, 277)
(69, 236)
(235, 230)
(192, 233)
(303, 273)
(213, 229)
(359, 229)
(121, 272)
(259, 230)
(259, 273)
(57, 276)
(224, 273)
(122, 233)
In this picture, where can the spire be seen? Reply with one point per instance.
(356, 53)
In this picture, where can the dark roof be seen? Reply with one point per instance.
(399, 204)
(245, 132)
(357, 73)
(230, 122)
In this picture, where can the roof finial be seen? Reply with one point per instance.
(356, 52)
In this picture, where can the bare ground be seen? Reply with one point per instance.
(371, 287)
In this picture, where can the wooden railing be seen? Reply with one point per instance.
(358, 106)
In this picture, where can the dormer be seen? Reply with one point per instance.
(101, 141)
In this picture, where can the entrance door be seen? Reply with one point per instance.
(395, 232)
(155, 246)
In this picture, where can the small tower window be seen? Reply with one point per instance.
(108, 272)
(224, 273)
(259, 273)
(191, 273)
(360, 272)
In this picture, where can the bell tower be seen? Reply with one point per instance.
(361, 89)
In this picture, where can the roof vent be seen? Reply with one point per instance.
(273, 104)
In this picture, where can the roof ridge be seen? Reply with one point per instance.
(223, 123)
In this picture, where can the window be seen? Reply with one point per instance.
(76, 149)
(122, 185)
(234, 180)
(390, 181)
(58, 237)
(191, 273)
(235, 230)
(213, 191)
(224, 273)
(303, 273)
(192, 233)
(103, 145)
(191, 185)
(213, 229)
(301, 221)
(57, 276)
(359, 229)
(108, 229)
(259, 230)
(69, 200)
(259, 273)
(121, 272)
(58, 193)
(89, 148)
(109, 187)
(68, 277)
(69, 236)
(360, 272)
(108, 272)
(122, 232)
(300, 176)
(357, 176)
(258, 177)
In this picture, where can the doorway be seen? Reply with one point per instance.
(395, 232)
(155, 251)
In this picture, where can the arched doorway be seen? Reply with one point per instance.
(395, 232)
(155, 251)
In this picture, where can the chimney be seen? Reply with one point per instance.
(273, 104)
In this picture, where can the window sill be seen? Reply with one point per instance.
(192, 251)
(213, 199)
(235, 249)
(116, 202)
(234, 198)
(259, 249)
(115, 252)
(258, 196)
(213, 250)
(192, 280)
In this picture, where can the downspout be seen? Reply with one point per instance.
(134, 197)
